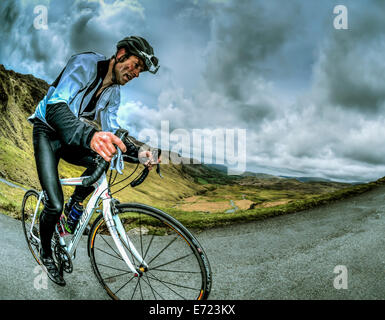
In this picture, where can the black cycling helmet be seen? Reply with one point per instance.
(139, 47)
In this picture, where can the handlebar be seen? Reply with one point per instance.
(103, 165)
(139, 180)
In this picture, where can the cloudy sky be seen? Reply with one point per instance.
(310, 97)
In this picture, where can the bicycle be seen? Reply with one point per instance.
(127, 243)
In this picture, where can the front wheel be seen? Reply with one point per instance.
(177, 265)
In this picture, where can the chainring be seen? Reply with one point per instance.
(63, 258)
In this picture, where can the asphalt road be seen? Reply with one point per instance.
(287, 257)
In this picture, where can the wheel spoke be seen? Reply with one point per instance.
(164, 264)
(148, 247)
(171, 289)
(140, 289)
(110, 246)
(174, 284)
(124, 284)
(160, 252)
(177, 271)
(152, 288)
(107, 266)
(115, 276)
(108, 253)
(135, 289)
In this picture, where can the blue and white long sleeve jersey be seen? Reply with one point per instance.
(77, 84)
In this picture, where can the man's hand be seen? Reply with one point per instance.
(103, 144)
(147, 159)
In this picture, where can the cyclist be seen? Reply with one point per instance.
(76, 120)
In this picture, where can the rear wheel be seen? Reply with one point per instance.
(177, 265)
(30, 221)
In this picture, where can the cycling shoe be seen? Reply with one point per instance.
(50, 268)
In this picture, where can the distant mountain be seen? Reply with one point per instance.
(209, 173)
(258, 175)
(219, 167)
(308, 179)
(316, 179)
(223, 168)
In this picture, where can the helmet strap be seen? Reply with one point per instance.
(113, 71)
(121, 59)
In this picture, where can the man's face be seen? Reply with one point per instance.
(128, 69)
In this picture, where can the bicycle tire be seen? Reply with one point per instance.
(157, 231)
(28, 206)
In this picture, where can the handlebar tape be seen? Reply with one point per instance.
(138, 181)
(102, 166)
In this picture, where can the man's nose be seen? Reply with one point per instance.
(136, 73)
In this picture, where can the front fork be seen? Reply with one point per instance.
(116, 229)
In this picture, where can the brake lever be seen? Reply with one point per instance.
(117, 162)
(155, 155)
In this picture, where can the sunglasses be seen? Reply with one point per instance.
(151, 62)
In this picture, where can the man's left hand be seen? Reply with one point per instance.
(148, 157)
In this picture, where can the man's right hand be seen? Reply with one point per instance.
(103, 144)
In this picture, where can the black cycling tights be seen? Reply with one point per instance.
(48, 151)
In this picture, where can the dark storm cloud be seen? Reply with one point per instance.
(80, 37)
(351, 67)
(73, 27)
(20, 45)
(245, 34)
(9, 13)
(98, 27)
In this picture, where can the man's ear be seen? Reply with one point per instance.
(121, 52)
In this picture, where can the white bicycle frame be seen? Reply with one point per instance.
(114, 225)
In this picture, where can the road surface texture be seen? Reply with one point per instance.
(287, 257)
